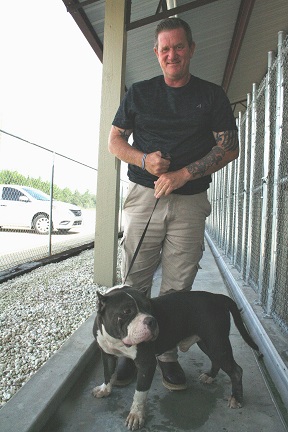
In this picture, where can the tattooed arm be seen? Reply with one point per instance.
(225, 150)
(118, 145)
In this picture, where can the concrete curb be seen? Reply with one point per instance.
(37, 400)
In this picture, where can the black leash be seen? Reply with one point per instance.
(140, 243)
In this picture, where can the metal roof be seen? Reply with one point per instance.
(232, 37)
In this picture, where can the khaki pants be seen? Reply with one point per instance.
(175, 237)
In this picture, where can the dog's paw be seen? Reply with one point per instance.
(136, 417)
(102, 391)
(233, 403)
(135, 420)
(206, 379)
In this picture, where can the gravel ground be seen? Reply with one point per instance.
(38, 312)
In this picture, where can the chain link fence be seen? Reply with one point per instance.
(250, 196)
(47, 202)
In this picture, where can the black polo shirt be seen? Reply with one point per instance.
(174, 120)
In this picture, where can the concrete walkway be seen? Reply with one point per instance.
(200, 408)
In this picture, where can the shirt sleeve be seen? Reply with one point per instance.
(124, 117)
(222, 117)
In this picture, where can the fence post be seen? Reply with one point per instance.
(215, 206)
(227, 228)
(221, 207)
(223, 216)
(51, 207)
(251, 185)
(237, 180)
(277, 153)
(266, 165)
(234, 220)
(245, 183)
(218, 206)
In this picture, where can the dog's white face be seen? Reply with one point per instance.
(141, 329)
(126, 315)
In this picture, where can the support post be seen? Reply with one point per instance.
(107, 199)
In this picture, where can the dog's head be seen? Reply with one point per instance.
(125, 313)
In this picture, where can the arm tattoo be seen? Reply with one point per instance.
(226, 142)
(228, 139)
(124, 134)
(199, 168)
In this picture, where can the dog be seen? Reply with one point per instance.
(131, 325)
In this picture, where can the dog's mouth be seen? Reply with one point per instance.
(143, 328)
(130, 341)
(127, 345)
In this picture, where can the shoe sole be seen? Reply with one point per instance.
(169, 385)
(172, 387)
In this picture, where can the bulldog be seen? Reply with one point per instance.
(131, 325)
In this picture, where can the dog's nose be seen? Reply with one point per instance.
(150, 322)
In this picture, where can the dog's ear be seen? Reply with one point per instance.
(101, 302)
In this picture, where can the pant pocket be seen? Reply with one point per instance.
(130, 194)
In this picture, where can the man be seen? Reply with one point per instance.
(183, 131)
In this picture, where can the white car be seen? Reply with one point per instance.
(26, 207)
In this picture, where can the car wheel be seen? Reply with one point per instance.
(41, 224)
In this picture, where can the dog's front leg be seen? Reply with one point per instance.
(136, 417)
(109, 364)
(145, 374)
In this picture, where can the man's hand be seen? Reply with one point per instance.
(225, 150)
(170, 181)
(155, 163)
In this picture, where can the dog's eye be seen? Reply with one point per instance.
(126, 311)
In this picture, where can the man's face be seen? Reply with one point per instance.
(174, 54)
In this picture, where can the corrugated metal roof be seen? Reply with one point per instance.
(212, 26)
(212, 43)
(267, 19)
(96, 14)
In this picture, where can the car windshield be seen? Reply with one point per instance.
(37, 194)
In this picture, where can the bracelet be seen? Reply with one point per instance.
(143, 161)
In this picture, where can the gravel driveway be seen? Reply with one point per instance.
(38, 312)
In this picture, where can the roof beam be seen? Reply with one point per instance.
(77, 13)
(162, 5)
(243, 18)
(165, 14)
(75, 8)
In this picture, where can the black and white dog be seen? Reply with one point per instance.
(131, 325)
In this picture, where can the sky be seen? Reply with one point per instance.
(50, 85)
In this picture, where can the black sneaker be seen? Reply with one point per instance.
(173, 376)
